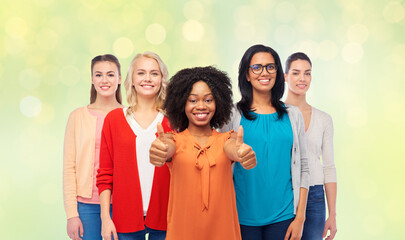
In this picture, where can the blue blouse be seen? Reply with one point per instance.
(264, 194)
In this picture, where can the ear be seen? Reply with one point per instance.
(119, 80)
(285, 77)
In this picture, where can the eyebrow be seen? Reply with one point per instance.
(193, 94)
(102, 72)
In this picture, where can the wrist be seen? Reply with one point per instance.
(332, 214)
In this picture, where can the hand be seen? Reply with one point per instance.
(246, 155)
(74, 227)
(158, 152)
(330, 225)
(294, 231)
(108, 229)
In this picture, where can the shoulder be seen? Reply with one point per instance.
(321, 115)
(79, 112)
(293, 111)
(116, 113)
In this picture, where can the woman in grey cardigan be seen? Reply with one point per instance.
(319, 136)
(271, 198)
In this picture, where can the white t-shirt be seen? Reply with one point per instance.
(144, 139)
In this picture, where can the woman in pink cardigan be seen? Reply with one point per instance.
(82, 147)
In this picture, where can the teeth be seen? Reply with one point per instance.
(264, 80)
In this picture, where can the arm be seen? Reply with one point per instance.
(330, 178)
(162, 149)
(294, 231)
(330, 224)
(74, 225)
(238, 151)
(296, 227)
(107, 225)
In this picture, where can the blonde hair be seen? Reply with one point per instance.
(130, 89)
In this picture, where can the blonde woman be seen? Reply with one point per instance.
(82, 147)
(139, 191)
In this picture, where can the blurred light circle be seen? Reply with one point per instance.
(328, 50)
(155, 33)
(193, 31)
(29, 79)
(69, 75)
(16, 27)
(284, 35)
(123, 47)
(285, 12)
(357, 33)
(30, 106)
(47, 39)
(193, 10)
(352, 52)
(394, 12)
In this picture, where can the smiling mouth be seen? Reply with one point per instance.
(264, 81)
(147, 86)
(201, 116)
(105, 87)
(302, 86)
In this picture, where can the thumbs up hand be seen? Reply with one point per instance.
(162, 148)
(244, 153)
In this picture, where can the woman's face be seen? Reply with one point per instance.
(105, 78)
(200, 106)
(264, 80)
(299, 77)
(146, 78)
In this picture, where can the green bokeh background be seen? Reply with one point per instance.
(358, 53)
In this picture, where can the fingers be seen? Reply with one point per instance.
(288, 234)
(81, 231)
(115, 235)
(325, 230)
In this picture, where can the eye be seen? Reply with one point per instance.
(308, 74)
(271, 67)
(295, 73)
(192, 100)
(98, 75)
(111, 75)
(155, 74)
(209, 100)
(257, 67)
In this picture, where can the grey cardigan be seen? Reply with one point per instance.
(299, 159)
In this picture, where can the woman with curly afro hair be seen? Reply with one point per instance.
(202, 201)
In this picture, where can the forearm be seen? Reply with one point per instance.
(302, 205)
(331, 193)
(105, 197)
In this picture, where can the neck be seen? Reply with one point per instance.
(200, 131)
(297, 100)
(261, 99)
(106, 103)
(145, 105)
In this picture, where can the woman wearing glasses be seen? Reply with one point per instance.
(271, 198)
(319, 133)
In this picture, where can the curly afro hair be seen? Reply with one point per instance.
(179, 89)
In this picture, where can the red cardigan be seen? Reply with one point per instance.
(118, 171)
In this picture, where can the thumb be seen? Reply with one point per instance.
(81, 229)
(239, 137)
(160, 132)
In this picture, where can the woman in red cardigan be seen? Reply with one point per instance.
(139, 190)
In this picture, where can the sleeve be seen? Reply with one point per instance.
(69, 169)
(329, 169)
(303, 150)
(105, 171)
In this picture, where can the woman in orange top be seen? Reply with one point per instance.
(202, 201)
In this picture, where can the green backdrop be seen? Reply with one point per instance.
(358, 53)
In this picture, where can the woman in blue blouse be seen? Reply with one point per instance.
(271, 198)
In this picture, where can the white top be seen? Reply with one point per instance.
(144, 139)
(320, 144)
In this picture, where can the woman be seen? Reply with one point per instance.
(319, 135)
(271, 198)
(202, 199)
(139, 190)
(82, 147)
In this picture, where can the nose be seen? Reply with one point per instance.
(200, 105)
(302, 77)
(147, 77)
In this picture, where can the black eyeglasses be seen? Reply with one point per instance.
(258, 68)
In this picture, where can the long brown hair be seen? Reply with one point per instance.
(105, 58)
